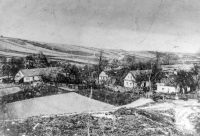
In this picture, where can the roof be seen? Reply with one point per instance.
(136, 72)
(177, 67)
(103, 74)
(38, 71)
(169, 79)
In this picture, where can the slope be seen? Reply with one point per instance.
(56, 104)
(13, 47)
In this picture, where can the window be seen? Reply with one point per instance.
(127, 83)
(162, 88)
(27, 78)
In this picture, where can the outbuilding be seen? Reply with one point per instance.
(166, 89)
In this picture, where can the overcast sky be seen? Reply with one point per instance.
(167, 25)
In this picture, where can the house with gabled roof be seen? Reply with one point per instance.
(103, 76)
(30, 75)
(130, 81)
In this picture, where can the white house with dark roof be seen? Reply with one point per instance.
(130, 82)
(30, 75)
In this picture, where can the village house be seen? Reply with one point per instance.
(30, 75)
(130, 82)
(103, 76)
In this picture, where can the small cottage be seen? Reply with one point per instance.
(30, 75)
(103, 76)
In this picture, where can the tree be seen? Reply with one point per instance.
(152, 76)
(130, 60)
(139, 78)
(6, 70)
(115, 63)
(57, 76)
(37, 61)
(195, 70)
(102, 63)
(15, 65)
(184, 79)
(158, 55)
(11, 67)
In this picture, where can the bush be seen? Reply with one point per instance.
(111, 97)
(132, 122)
(28, 91)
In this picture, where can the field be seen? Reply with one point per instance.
(13, 47)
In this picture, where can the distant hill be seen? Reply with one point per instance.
(10, 47)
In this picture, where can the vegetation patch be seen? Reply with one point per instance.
(28, 92)
(111, 97)
(126, 122)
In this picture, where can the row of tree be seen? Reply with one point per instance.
(87, 74)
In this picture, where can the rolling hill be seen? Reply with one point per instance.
(13, 47)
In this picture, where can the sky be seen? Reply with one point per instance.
(133, 25)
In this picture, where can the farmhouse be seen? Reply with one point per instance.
(130, 82)
(30, 75)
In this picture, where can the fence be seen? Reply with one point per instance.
(189, 96)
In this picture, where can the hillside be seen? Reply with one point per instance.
(10, 47)
(55, 104)
(140, 118)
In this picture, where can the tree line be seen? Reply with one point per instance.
(89, 73)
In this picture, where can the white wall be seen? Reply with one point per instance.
(103, 78)
(37, 78)
(166, 89)
(28, 79)
(129, 84)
